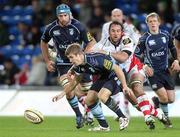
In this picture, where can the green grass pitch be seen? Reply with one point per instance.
(65, 127)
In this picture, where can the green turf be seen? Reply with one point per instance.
(65, 127)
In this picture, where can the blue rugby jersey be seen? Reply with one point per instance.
(75, 32)
(155, 48)
(97, 64)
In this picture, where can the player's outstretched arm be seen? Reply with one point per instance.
(72, 82)
(121, 77)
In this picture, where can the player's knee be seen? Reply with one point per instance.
(103, 97)
(137, 86)
(163, 99)
(171, 100)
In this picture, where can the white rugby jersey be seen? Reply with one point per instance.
(125, 44)
(129, 30)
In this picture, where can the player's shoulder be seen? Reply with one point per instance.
(94, 56)
(52, 24)
(164, 31)
(145, 35)
(77, 24)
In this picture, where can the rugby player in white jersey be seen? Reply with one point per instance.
(130, 30)
(121, 48)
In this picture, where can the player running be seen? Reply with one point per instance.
(107, 84)
(121, 48)
(154, 45)
(64, 31)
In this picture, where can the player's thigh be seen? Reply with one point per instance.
(104, 94)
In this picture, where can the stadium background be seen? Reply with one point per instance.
(25, 82)
(22, 23)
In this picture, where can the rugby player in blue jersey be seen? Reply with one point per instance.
(155, 45)
(108, 82)
(64, 31)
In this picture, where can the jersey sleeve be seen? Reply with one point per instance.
(105, 62)
(140, 46)
(86, 36)
(128, 44)
(46, 36)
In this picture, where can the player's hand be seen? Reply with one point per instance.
(175, 66)
(50, 66)
(59, 96)
(126, 91)
(148, 70)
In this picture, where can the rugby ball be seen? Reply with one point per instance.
(33, 116)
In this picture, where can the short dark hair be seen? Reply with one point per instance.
(116, 23)
(74, 48)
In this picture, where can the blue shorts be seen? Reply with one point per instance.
(161, 79)
(111, 84)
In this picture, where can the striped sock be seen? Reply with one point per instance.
(144, 105)
(74, 105)
(97, 112)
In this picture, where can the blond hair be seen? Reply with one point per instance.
(153, 14)
(74, 48)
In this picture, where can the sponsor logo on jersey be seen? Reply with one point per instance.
(63, 46)
(91, 69)
(107, 64)
(152, 42)
(163, 39)
(56, 32)
(89, 37)
(82, 69)
(71, 31)
(154, 86)
(157, 54)
(126, 41)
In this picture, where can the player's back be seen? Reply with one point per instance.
(97, 64)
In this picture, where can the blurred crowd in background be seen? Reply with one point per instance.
(22, 23)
